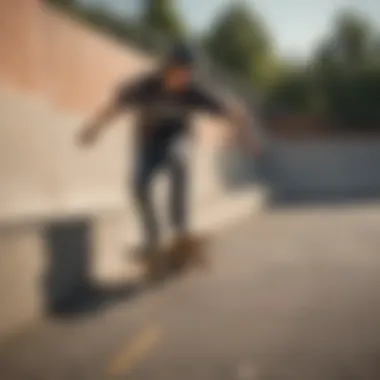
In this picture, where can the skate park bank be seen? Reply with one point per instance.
(66, 217)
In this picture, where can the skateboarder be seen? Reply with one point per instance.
(165, 99)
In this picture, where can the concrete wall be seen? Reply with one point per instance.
(43, 102)
(53, 74)
(21, 269)
(336, 167)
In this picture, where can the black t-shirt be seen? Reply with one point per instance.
(163, 115)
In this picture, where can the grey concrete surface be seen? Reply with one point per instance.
(22, 263)
(46, 178)
(339, 166)
(290, 295)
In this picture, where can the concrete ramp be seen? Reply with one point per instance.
(48, 184)
(66, 214)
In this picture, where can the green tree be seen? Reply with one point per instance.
(376, 50)
(239, 42)
(348, 47)
(161, 16)
(66, 4)
(353, 40)
(344, 71)
(296, 92)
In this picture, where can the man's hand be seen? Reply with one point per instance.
(252, 149)
(87, 136)
(242, 121)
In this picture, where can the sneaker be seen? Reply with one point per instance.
(190, 249)
(183, 242)
(143, 253)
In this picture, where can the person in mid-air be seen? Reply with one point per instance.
(165, 99)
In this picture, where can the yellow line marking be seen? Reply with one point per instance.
(132, 353)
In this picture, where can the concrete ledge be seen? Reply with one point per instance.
(118, 233)
(25, 255)
(22, 264)
(66, 186)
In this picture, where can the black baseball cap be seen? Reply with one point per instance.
(182, 54)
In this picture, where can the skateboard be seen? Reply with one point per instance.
(175, 258)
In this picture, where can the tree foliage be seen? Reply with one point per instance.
(340, 81)
(161, 16)
(343, 79)
(239, 42)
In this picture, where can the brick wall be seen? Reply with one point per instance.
(59, 72)
(51, 56)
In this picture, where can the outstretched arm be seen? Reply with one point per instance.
(98, 122)
(127, 95)
(238, 117)
(243, 124)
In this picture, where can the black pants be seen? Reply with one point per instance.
(149, 163)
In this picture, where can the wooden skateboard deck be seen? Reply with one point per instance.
(176, 258)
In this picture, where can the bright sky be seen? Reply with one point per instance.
(296, 25)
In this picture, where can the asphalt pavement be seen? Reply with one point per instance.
(291, 294)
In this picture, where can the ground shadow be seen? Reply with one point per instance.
(92, 297)
(68, 288)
